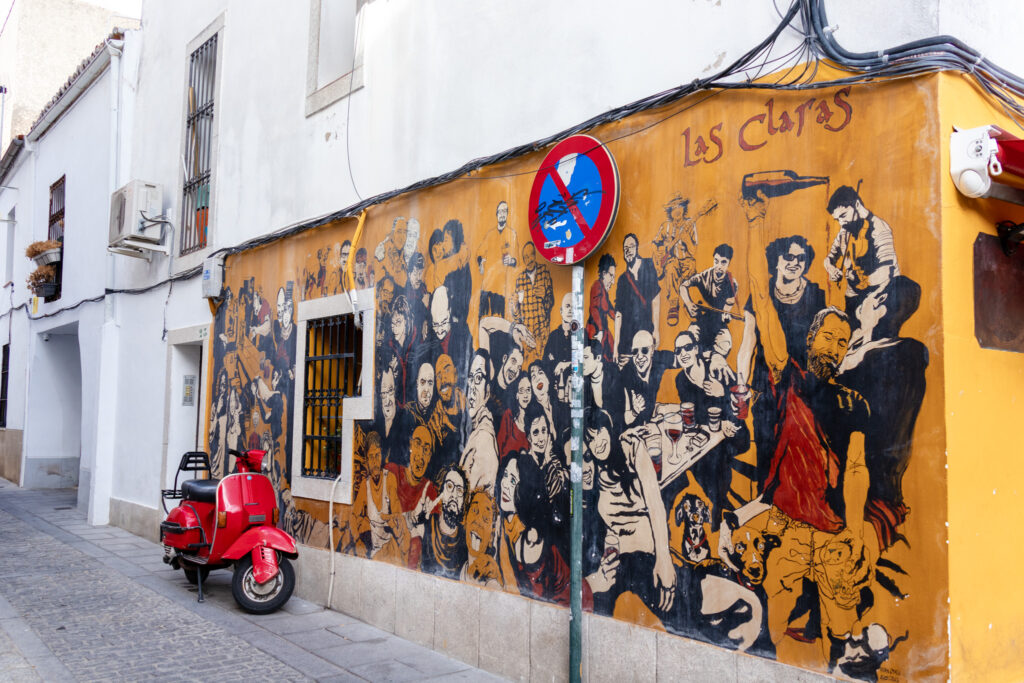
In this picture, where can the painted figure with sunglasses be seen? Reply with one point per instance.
(695, 384)
(817, 416)
(795, 300)
(641, 378)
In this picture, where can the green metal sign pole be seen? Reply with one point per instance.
(576, 479)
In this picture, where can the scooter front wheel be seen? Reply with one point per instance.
(257, 598)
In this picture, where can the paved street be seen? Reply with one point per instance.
(84, 603)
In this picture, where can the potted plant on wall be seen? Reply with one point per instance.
(43, 281)
(44, 252)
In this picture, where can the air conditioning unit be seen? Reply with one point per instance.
(131, 233)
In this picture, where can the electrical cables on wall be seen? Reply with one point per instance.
(795, 70)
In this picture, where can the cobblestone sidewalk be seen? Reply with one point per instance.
(84, 603)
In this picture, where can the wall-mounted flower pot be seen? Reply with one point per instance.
(48, 256)
(46, 289)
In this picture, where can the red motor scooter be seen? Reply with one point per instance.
(228, 522)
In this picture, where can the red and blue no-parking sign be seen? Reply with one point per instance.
(574, 199)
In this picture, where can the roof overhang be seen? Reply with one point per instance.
(86, 75)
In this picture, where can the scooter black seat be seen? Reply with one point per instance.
(200, 490)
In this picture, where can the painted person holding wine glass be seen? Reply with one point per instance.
(694, 384)
(630, 506)
(711, 406)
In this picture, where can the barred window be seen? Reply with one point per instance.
(333, 367)
(56, 232)
(199, 134)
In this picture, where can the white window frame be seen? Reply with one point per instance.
(353, 408)
(185, 262)
(317, 99)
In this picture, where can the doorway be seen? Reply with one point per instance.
(184, 431)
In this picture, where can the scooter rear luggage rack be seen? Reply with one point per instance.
(172, 528)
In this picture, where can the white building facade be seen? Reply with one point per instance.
(252, 117)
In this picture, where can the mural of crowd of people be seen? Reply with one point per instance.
(746, 432)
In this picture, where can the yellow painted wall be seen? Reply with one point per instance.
(984, 394)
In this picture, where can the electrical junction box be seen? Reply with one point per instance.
(213, 277)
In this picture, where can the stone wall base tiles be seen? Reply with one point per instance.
(506, 619)
(51, 473)
(138, 519)
(10, 454)
(415, 620)
(619, 651)
(549, 642)
(378, 595)
(533, 638)
(312, 572)
(457, 620)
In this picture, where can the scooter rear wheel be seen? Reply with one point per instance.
(264, 598)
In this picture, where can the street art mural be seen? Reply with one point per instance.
(763, 465)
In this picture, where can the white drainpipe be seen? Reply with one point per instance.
(114, 47)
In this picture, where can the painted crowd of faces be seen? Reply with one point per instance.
(729, 512)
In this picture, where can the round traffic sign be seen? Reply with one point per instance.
(574, 199)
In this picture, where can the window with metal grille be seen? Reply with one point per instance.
(333, 365)
(56, 231)
(196, 188)
(4, 364)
